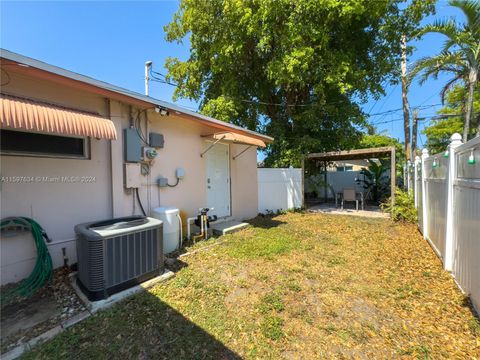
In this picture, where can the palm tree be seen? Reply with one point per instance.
(376, 179)
(460, 55)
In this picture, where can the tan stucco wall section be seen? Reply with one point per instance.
(59, 207)
(183, 146)
(244, 182)
(56, 206)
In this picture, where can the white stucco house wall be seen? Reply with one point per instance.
(84, 178)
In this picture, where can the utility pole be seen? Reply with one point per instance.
(414, 132)
(405, 106)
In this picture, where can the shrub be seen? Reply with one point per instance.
(376, 179)
(404, 207)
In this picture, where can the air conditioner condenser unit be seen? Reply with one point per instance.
(116, 254)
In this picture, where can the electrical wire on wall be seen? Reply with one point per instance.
(140, 202)
(134, 202)
(145, 169)
(137, 123)
(178, 180)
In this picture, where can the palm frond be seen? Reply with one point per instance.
(471, 10)
(448, 86)
(464, 40)
(446, 27)
(432, 66)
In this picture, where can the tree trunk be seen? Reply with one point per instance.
(472, 80)
(405, 106)
(478, 124)
(414, 132)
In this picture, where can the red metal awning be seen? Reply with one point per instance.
(28, 114)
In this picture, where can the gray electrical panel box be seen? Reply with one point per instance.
(132, 175)
(162, 182)
(180, 173)
(156, 140)
(132, 145)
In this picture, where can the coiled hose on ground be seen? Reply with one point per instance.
(43, 269)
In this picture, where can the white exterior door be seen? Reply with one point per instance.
(218, 180)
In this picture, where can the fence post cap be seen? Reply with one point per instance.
(456, 139)
(425, 152)
(417, 158)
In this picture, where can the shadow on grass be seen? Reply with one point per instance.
(175, 264)
(141, 327)
(265, 221)
(467, 302)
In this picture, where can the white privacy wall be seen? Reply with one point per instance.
(344, 179)
(338, 180)
(279, 189)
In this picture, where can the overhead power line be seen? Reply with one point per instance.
(386, 99)
(424, 117)
(422, 107)
(162, 79)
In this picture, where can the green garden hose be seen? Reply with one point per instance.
(43, 270)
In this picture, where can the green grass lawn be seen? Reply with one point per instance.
(295, 286)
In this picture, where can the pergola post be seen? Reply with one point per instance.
(393, 176)
(325, 179)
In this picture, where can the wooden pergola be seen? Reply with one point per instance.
(358, 154)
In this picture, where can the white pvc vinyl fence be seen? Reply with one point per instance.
(279, 189)
(418, 192)
(447, 196)
(466, 229)
(435, 178)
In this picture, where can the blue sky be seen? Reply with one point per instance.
(112, 40)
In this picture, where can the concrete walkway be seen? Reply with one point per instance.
(369, 211)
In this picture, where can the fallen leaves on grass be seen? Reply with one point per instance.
(294, 286)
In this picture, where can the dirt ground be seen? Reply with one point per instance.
(26, 318)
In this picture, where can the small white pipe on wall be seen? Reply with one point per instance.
(189, 222)
(148, 65)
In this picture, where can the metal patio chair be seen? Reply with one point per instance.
(335, 194)
(350, 195)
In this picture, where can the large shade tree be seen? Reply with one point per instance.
(291, 69)
(459, 57)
